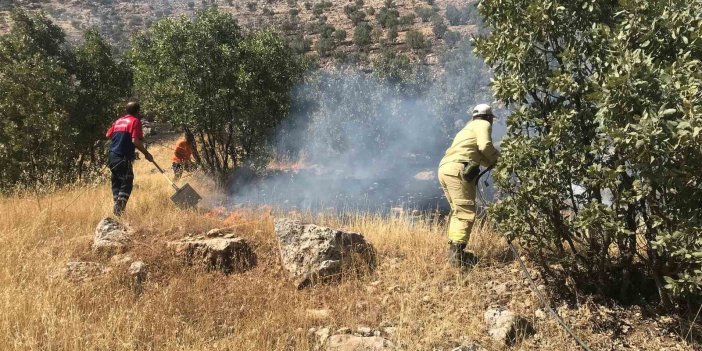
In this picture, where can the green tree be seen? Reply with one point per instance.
(600, 167)
(416, 40)
(55, 102)
(438, 26)
(227, 90)
(362, 35)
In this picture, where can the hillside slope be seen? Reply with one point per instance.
(414, 299)
(303, 21)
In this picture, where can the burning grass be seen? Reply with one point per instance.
(184, 308)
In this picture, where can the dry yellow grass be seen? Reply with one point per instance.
(184, 308)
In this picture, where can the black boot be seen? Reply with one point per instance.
(118, 209)
(456, 254)
(459, 258)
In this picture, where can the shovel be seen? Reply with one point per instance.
(185, 196)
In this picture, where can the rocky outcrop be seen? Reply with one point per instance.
(111, 237)
(80, 271)
(224, 254)
(346, 342)
(506, 327)
(314, 254)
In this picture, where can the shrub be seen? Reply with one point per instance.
(415, 40)
(451, 38)
(438, 27)
(425, 13)
(387, 17)
(339, 35)
(407, 20)
(362, 35)
(300, 44)
(600, 167)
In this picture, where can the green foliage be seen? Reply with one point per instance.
(300, 44)
(600, 168)
(388, 17)
(362, 35)
(451, 38)
(416, 40)
(438, 26)
(56, 102)
(407, 20)
(460, 16)
(425, 13)
(227, 90)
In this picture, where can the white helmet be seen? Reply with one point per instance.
(482, 110)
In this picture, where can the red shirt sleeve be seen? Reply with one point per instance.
(136, 130)
(109, 131)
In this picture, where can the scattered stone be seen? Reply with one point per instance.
(121, 259)
(507, 327)
(139, 270)
(111, 237)
(364, 331)
(219, 232)
(344, 330)
(322, 335)
(319, 313)
(314, 254)
(226, 255)
(347, 342)
(80, 271)
(390, 331)
(540, 314)
(470, 346)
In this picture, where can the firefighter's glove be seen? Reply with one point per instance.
(471, 171)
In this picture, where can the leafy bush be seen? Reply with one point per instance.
(425, 13)
(300, 44)
(451, 38)
(56, 102)
(600, 167)
(227, 90)
(388, 17)
(415, 40)
(339, 35)
(407, 20)
(438, 27)
(362, 35)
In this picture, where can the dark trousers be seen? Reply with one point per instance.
(122, 181)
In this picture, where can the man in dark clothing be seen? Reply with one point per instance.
(126, 134)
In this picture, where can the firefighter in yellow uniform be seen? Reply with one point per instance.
(458, 172)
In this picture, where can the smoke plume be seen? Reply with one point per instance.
(356, 142)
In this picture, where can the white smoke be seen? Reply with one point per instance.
(367, 144)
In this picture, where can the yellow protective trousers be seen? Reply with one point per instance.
(461, 196)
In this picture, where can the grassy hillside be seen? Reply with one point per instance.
(426, 304)
(304, 21)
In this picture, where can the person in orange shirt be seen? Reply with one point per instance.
(181, 157)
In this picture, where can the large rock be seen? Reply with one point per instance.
(225, 254)
(345, 342)
(111, 237)
(80, 271)
(506, 327)
(314, 254)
